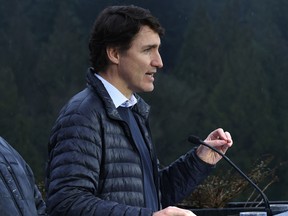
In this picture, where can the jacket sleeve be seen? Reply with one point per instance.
(178, 180)
(25, 174)
(39, 202)
(74, 170)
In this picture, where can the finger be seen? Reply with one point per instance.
(217, 143)
(188, 213)
(175, 211)
(223, 135)
(216, 134)
(229, 138)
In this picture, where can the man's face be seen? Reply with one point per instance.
(138, 65)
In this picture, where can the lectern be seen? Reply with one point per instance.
(279, 208)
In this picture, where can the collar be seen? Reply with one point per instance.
(117, 97)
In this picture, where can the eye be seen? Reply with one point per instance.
(147, 50)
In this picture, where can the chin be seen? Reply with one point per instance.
(147, 88)
(150, 89)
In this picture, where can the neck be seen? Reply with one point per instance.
(114, 79)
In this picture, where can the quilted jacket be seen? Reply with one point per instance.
(94, 167)
(19, 196)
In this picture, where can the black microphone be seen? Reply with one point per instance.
(196, 140)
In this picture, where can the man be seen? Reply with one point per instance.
(19, 194)
(101, 157)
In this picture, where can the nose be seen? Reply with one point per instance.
(157, 60)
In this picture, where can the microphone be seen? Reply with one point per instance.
(196, 140)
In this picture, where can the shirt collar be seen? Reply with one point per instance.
(117, 97)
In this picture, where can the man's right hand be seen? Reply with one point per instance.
(174, 211)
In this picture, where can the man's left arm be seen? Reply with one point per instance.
(179, 179)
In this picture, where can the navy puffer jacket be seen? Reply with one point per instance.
(19, 195)
(94, 167)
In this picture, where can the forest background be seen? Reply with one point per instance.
(225, 66)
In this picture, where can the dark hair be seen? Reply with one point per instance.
(116, 26)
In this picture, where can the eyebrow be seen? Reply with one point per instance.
(151, 46)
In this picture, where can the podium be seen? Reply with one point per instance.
(231, 211)
(279, 208)
(282, 214)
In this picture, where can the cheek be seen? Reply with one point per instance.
(135, 66)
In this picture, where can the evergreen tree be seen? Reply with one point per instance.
(231, 61)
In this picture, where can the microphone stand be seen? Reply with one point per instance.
(197, 141)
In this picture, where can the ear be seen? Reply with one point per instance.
(113, 54)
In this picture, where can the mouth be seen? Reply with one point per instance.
(151, 74)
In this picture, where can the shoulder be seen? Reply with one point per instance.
(83, 106)
(78, 118)
(10, 156)
(7, 150)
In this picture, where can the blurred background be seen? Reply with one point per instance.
(225, 65)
